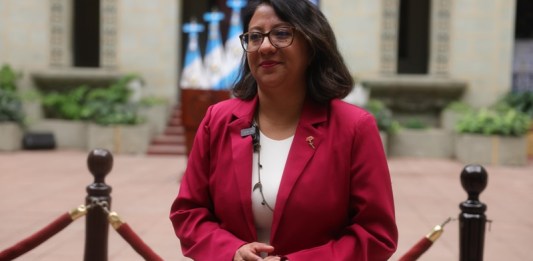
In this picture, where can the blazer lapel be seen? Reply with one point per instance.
(242, 156)
(306, 141)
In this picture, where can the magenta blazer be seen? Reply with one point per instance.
(335, 200)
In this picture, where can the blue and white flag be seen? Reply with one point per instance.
(193, 74)
(234, 49)
(214, 55)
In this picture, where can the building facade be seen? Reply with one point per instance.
(457, 49)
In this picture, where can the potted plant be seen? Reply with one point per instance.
(90, 117)
(523, 102)
(116, 123)
(11, 111)
(452, 113)
(494, 135)
(384, 120)
(120, 129)
(65, 116)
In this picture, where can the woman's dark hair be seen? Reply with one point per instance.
(327, 75)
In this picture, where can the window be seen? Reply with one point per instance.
(524, 19)
(523, 47)
(413, 37)
(86, 33)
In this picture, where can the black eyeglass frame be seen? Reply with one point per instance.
(267, 35)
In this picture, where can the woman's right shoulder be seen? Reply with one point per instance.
(226, 110)
(225, 107)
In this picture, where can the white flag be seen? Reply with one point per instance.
(214, 57)
(193, 74)
(234, 49)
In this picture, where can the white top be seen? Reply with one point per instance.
(273, 158)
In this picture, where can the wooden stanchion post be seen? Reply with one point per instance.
(100, 163)
(472, 218)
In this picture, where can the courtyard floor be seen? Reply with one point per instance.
(36, 187)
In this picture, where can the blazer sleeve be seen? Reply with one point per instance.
(371, 234)
(200, 234)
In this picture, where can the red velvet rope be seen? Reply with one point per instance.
(36, 239)
(417, 250)
(136, 242)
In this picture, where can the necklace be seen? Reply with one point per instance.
(259, 185)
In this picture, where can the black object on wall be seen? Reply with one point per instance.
(38, 141)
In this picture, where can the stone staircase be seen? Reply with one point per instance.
(172, 140)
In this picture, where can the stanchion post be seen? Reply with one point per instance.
(100, 163)
(472, 218)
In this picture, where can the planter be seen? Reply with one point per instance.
(530, 141)
(33, 111)
(421, 143)
(384, 136)
(10, 136)
(68, 134)
(494, 150)
(119, 139)
(156, 117)
(449, 119)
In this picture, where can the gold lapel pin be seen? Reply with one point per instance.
(309, 140)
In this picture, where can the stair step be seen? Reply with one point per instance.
(169, 139)
(172, 141)
(166, 150)
(176, 121)
(176, 113)
(175, 130)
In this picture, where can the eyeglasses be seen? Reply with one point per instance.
(279, 37)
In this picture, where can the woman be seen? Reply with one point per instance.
(287, 171)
